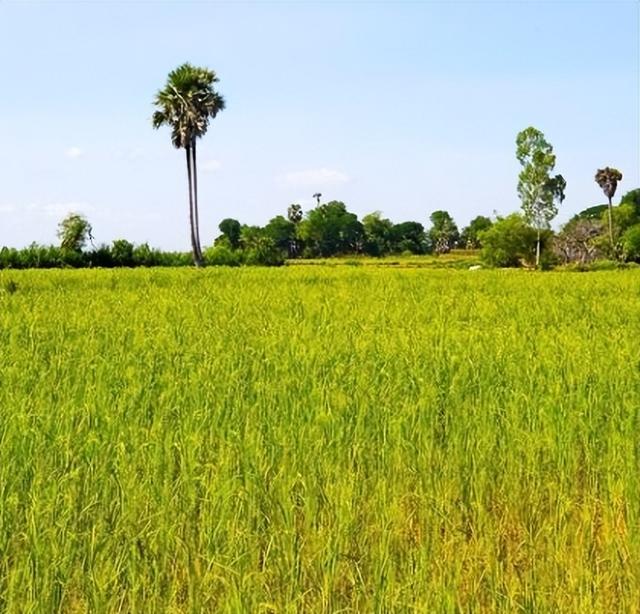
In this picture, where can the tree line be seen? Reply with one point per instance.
(330, 230)
(327, 230)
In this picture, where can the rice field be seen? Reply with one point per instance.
(316, 439)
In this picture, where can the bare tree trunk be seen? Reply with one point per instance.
(196, 213)
(610, 227)
(194, 247)
(538, 251)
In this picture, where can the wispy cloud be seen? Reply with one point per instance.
(210, 166)
(74, 153)
(9, 208)
(313, 178)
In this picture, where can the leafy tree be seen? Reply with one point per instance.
(122, 252)
(409, 236)
(378, 234)
(186, 104)
(579, 240)
(263, 251)
(607, 178)
(330, 229)
(443, 233)
(509, 242)
(631, 243)
(282, 232)
(539, 192)
(469, 237)
(74, 231)
(250, 236)
(590, 213)
(632, 198)
(231, 229)
(623, 217)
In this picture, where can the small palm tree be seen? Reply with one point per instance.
(294, 213)
(317, 196)
(607, 178)
(186, 104)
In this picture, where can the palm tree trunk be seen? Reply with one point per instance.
(610, 226)
(195, 201)
(194, 247)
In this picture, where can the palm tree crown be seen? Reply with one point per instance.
(187, 103)
(607, 178)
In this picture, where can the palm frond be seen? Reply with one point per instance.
(187, 103)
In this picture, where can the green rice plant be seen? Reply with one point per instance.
(319, 439)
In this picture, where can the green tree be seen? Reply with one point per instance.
(631, 243)
(330, 229)
(590, 213)
(186, 104)
(509, 242)
(443, 233)
(231, 229)
(469, 238)
(250, 236)
(122, 252)
(409, 236)
(378, 234)
(539, 192)
(74, 231)
(607, 178)
(633, 198)
(623, 217)
(282, 232)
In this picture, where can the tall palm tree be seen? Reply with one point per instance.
(607, 178)
(186, 104)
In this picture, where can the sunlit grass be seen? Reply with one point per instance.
(314, 439)
(456, 259)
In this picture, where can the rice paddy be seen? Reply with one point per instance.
(316, 439)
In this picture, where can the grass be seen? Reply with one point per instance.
(456, 259)
(315, 439)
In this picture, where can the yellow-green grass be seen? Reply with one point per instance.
(456, 259)
(315, 439)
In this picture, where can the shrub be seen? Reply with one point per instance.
(264, 252)
(100, 257)
(509, 242)
(221, 255)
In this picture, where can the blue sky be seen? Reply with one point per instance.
(399, 107)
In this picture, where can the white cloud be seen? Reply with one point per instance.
(313, 178)
(7, 208)
(210, 166)
(74, 153)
